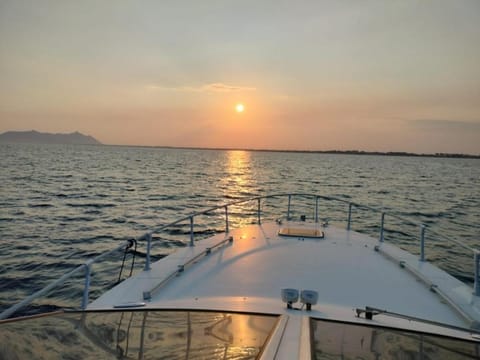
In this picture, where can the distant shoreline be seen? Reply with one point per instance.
(36, 137)
(76, 138)
(334, 152)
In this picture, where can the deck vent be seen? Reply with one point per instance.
(309, 298)
(289, 296)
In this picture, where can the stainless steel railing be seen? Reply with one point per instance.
(148, 238)
(351, 206)
(43, 292)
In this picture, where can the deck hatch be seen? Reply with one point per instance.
(301, 232)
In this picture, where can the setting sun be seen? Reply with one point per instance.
(239, 108)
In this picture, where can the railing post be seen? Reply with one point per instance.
(191, 232)
(316, 209)
(226, 219)
(476, 259)
(86, 288)
(382, 227)
(258, 212)
(46, 290)
(422, 242)
(288, 209)
(349, 215)
(149, 246)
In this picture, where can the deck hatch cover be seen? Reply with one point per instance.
(301, 232)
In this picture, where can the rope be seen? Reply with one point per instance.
(133, 258)
(127, 248)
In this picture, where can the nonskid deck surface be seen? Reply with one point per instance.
(248, 274)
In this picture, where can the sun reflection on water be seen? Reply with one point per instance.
(238, 182)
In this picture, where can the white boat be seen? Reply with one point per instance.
(295, 287)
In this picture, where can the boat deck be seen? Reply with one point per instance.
(248, 274)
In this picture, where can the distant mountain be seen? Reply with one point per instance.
(36, 137)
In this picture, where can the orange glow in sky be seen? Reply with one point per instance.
(323, 75)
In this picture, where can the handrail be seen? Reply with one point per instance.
(148, 237)
(260, 197)
(147, 295)
(317, 196)
(11, 310)
(290, 195)
(422, 227)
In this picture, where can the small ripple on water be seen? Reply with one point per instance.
(28, 283)
(69, 219)
(23, 247)
(93, 212)
(168, 243)
(117, 221)
(91, 205)
(40, 205)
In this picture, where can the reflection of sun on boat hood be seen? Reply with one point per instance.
(154, 334)
(186, 334)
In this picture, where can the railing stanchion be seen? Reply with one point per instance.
(46, 290)
(349, 215)
(149, 247)
(476, 258)
(316, 209)
(191, 232)
(226, 219)
(258, 212)
(422, 242)
(382, 227)
(86, 289)
(289, 203)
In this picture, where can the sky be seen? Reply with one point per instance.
(312, 75)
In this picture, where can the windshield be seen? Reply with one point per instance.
(335, 340)
(137, 335)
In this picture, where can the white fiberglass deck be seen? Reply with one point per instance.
(249, 273)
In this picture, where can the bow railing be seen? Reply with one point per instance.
(301, 200)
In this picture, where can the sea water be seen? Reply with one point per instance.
(63, 204)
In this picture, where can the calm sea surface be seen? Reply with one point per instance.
(62, 204)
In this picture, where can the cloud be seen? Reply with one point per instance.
(445, 125)
(213, 87)
(226, 88)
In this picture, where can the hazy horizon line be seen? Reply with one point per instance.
(331, 151)
(286, 150)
